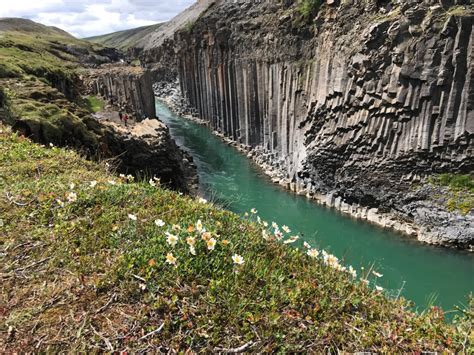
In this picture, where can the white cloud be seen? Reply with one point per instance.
(84, 18)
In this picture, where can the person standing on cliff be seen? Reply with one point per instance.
(125, 119)
(121, 116)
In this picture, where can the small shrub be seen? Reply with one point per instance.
(456, 181)
(95, 104)
(309, 8)
(189, 26)
(461, 191)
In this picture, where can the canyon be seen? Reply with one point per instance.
(356, 110)
(127, 227)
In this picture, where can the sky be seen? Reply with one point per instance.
(84, 18)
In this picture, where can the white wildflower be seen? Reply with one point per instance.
(237, 259)
(72, 185)
(132, 217)
(152, 183)
(306, 245)
(202, 200)
(278, 234)
(171, 239)
(199, 226)
(93, 184)
(286, 229)
(265, 234)
(331, 260)
(253, 211)
(159, 222)
(313, 253)
(378, 288)
(211, 244)
(71, 197)
(352, 272)
(377, 274)
(191, 241)
(170, 259)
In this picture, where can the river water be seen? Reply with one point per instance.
(421, 273)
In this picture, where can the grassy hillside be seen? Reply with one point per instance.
(29, 48)
(39, 80)
(92, 261)
(12, 24)
(124, 39)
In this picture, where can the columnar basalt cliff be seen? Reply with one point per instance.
(126, 87)
(352, 109)
(144, 148)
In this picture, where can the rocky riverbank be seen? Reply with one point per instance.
(421, 213)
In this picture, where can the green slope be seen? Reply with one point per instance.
(28, 26)
(40, 70)
(94, 262)
(30, 48)
(124, 39)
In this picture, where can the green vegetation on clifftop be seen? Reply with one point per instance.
(40, 70)
(91, 261)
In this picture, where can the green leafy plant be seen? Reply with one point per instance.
(461, 189)
(309, 8)
(94, 103)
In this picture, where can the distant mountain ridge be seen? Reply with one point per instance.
(149, 37)
(8, 24)
(124, 39)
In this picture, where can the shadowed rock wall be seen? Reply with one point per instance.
(378, 98)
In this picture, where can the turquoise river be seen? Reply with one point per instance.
(421, 273)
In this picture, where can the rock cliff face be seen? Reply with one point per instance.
(145, 149)
(129, 88)
(353, 108)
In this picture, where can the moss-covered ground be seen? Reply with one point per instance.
(94, 103)
(39, 77)
(460, 196)
(41, 55)
(95, 262)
